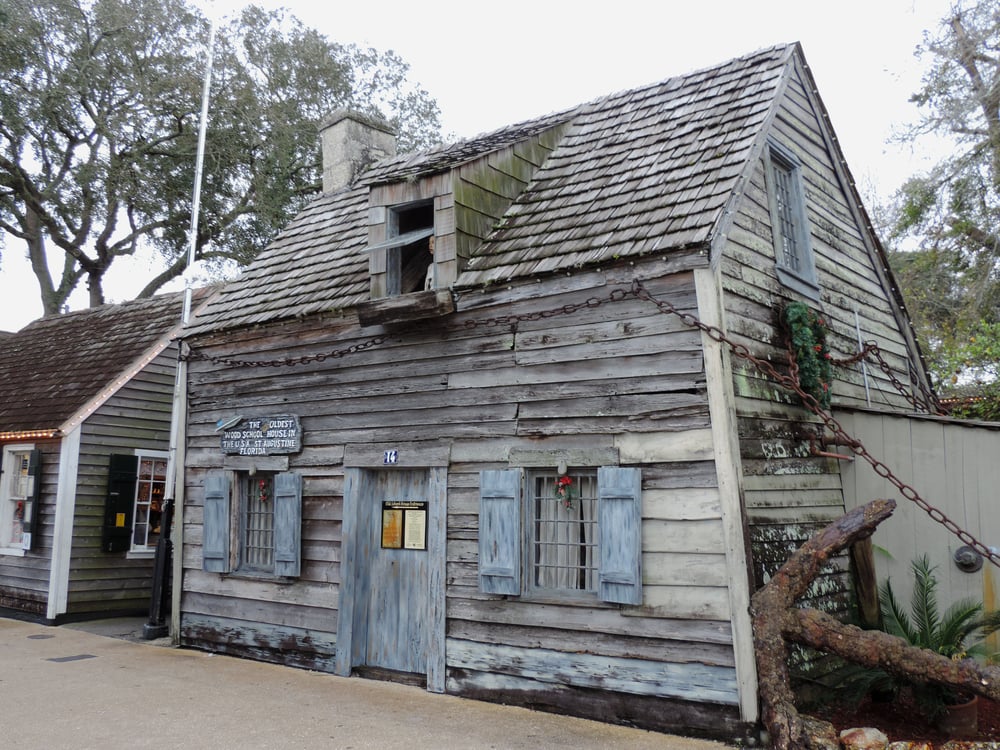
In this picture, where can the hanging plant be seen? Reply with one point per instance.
(564, 491)
(807, 338)
(262, 491)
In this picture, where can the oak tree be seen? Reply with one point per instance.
(99, 113)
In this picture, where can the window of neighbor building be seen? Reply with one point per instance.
(576, 536)
(17, 489)
(790, 226)
(151, 482)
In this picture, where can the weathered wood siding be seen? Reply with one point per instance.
(788, 492)
(618, 377)
(136, 417)
(24, 581)
(954, 466)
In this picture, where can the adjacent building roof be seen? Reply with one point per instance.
(53, 367)
(646, 170)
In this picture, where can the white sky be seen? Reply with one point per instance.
(492, 64)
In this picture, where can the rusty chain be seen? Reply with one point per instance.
(287, 361)
(789, 381)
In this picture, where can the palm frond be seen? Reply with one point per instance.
(958, 624)
(895, 619)
(923, 604)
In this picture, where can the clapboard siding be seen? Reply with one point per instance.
(775, 445)
(137, 417)
(619, 376)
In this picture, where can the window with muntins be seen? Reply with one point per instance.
(790, 228)
(578, 539)
(18, 497)
(151, 482)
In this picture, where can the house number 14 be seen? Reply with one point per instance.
(390, 457)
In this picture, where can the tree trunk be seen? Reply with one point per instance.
(776, 621)
(51, 302)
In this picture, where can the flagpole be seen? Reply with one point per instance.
(174, 485)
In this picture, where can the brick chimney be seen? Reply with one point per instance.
(351, 143)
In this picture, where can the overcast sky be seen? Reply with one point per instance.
(492, 64)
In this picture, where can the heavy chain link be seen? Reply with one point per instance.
(787, 380)
(287, 361)
(790, 381)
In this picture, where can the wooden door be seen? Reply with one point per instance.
(397, 599)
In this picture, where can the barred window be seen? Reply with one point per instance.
(563, 544)
(257, 546)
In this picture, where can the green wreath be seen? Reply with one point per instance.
(807, 335)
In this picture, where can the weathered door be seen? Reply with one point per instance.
(394, 626)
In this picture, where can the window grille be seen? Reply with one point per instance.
(258, 523)
(784, 195)
(563, 547)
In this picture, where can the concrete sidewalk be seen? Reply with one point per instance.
(67, 688)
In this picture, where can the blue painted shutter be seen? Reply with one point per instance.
(619, 524)
(500, 532)
(215, 527)
(287, 524)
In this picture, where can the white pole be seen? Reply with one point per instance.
(175, 468)
(861, 347)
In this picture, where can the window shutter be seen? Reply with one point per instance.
(29, 538)
(619, 524)
(287, 524)
(119, 503)
(215, 527)
(500, 532)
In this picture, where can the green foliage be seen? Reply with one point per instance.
(807, 334)
(949, 218)
(957, 633)
(99, 113)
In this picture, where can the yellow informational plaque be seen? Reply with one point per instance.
(392, 528)
(120, 520)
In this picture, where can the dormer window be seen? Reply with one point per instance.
(411, 252)
(409, 248)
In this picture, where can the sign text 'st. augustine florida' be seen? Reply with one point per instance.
(264, 436)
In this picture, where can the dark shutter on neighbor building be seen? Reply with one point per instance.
(34, 501)
(619, 528)
(287, 524)
(500, 531)
(119, 503)
(215, 525)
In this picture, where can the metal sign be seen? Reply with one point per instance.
(263, 436)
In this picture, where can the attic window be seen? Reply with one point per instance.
(790, 226)
(409, 248)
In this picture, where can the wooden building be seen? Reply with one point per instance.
(463, 422)
(85, 412)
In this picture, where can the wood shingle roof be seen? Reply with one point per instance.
(646, 170)
(54, 366)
